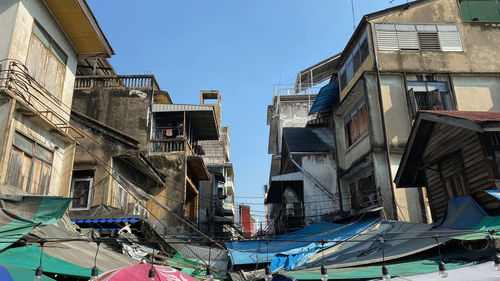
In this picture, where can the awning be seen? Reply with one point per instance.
(289, 254)
(28, 258)
(280, 182)
(328, 96)
(141, 163)
(197, 166)
(21, 213)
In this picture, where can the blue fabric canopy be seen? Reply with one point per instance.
(295, 248)
(328, 95)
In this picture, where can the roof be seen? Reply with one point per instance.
(201, 117)
(318, 72)
(409, 173)
(328, 96)
(80, 25)
(308, 139)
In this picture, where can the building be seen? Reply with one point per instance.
(168, 135)
(453, 154)
(417, 56)
(246, 220)
(217, 214)
(41, 44)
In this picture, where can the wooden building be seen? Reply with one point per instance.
(453, 154)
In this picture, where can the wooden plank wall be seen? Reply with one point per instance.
(446, 139)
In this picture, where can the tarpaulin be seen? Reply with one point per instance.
(462, 213)
(294, 249)
(19, 214)
(28, 257)
(494, 193)
(488, 223)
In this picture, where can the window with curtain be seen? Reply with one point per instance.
(30, 165)
(429, 95)
(46, 61)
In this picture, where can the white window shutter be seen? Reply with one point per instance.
(387, 40)
(450, 41)
(408, 40)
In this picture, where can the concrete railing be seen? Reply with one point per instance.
(119, 81)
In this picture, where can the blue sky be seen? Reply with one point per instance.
(241, 48)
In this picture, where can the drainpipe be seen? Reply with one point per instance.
(313, 179)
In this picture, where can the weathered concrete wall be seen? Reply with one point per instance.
(384, 182)
(174, 166)
(349, 155)
(480, 42)
(396, 114)
(375, 126)
(477, 92)
(117, 108)
(8, 13)
(318, 206)
(27, 13)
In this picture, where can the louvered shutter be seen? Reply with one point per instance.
(387, 38)
(449, 38)
(407, 37)
(429, 41)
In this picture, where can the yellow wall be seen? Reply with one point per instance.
(477, 93)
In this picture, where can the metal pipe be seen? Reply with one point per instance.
(313, 179)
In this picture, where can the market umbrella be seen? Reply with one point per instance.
(140, 272)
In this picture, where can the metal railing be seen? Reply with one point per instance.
(15, 78)
(118, 81)
(168, 145)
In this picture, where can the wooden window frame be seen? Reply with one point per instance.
(34, 159)
(356, 124)
(434, 97)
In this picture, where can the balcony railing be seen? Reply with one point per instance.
(168, 145)
(119, 81)
(15, 78)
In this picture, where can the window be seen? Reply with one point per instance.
(363, 192)
(354, 61)
(30, 166)
(480, 10)
(453, 175)
(81, 191)
(46, 61)
(428, 95)
(420, 37)
(120, 197)
(355, 124)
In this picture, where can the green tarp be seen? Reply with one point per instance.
(19, 214)
(488, 223)
(28, 258)
(20, 273)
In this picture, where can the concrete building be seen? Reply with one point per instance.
(41, 42)
(420, 55)
(217, 214)
(246, 220)
(168, 135)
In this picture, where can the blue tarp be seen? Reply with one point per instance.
(494, 193)
(462, 213)
(328, 95)
(296, 247)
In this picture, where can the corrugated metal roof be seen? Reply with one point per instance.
(179, 107)
(309, 139)
(475, 116)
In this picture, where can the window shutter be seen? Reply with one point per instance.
(429, 41)
(408, 40)
(412, 103)
(387, 40)
(449, 38)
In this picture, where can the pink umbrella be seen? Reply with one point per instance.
(140, 272)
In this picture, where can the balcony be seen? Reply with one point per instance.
(118, 81)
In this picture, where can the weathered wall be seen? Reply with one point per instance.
(317, 204)
(29, 11)
(477, 92)
(479, 40)
(7, 105)
(8, 13)
(117, 108)
(347, 156)
(396, 114)
(384, 182)
(174, 166)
